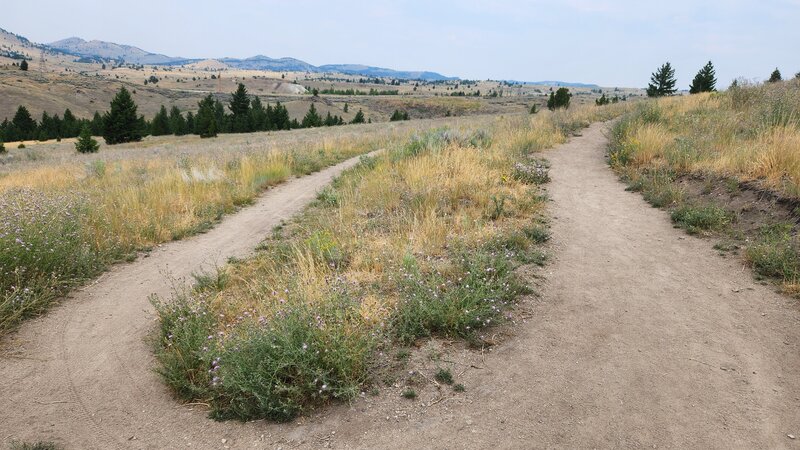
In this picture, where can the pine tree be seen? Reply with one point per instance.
(603, 100)
(23, 66)
(177, 124)
(85, 143)
(705, 80)
(189, 122)
(662, 82)
(2, 146)
(534, 109)
(24, 123)
(160, 124)
(311, 119)
(97, 124)
(559, 99)
(69, 125)
(280, 118)
(346, 107)
(205, 123)
(240, 107)
(258, 116)
(359, 118)
(121, 124)
(775, 77)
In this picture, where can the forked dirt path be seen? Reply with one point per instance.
(643, 338)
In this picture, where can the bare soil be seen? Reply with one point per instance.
(642, 337)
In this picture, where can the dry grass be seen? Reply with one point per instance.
(751, 133)
(420, 240)
(748, 135)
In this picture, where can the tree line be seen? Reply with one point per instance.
(122, 123)
(663, 82)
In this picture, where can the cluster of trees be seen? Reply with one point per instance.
(398, 115)
(122, 123)
(23, 127)
(603, 100)
(559, 99)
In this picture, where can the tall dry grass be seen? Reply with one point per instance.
(421, 240)
(750, 133)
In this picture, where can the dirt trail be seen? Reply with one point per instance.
(643, 338)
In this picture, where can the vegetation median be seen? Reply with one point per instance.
(419, 241)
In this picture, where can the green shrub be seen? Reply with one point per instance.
(444, 376)
(775, 254)
(696, 219)
(271, 368)
(476, 296)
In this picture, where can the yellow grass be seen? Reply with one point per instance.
(751, 133)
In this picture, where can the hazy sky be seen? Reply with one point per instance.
(609, 42)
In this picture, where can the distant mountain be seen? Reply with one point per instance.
(261, 62)
(101, 50)
(369, 71)
(561, 84)
(111, 51)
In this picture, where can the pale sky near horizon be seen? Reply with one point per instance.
(608, 42)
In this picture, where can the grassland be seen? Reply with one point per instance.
(422, 240)
(726, 164)
(65, 218)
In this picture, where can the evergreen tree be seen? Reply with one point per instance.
(398, 115)
(662, 82)
(258, 116)
(705, 80)
(281, 119)
(603, 100)
(359, 118)
(346, 107)
(311, 119)
(329, 120)
(160, 124)
(205, 123)
(534, 109)
(240, 107)
(223, 120)
(24, 123)
(98, 125)
(177, 124)
(23, 66)
(559, 99)
(85, 143)
(47, 129)
(69, 125)
(2, 146)
(189, 123)
(121, 124)
(775, 77)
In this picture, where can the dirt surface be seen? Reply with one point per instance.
(642, 338)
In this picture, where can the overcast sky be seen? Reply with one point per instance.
(608, 42)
